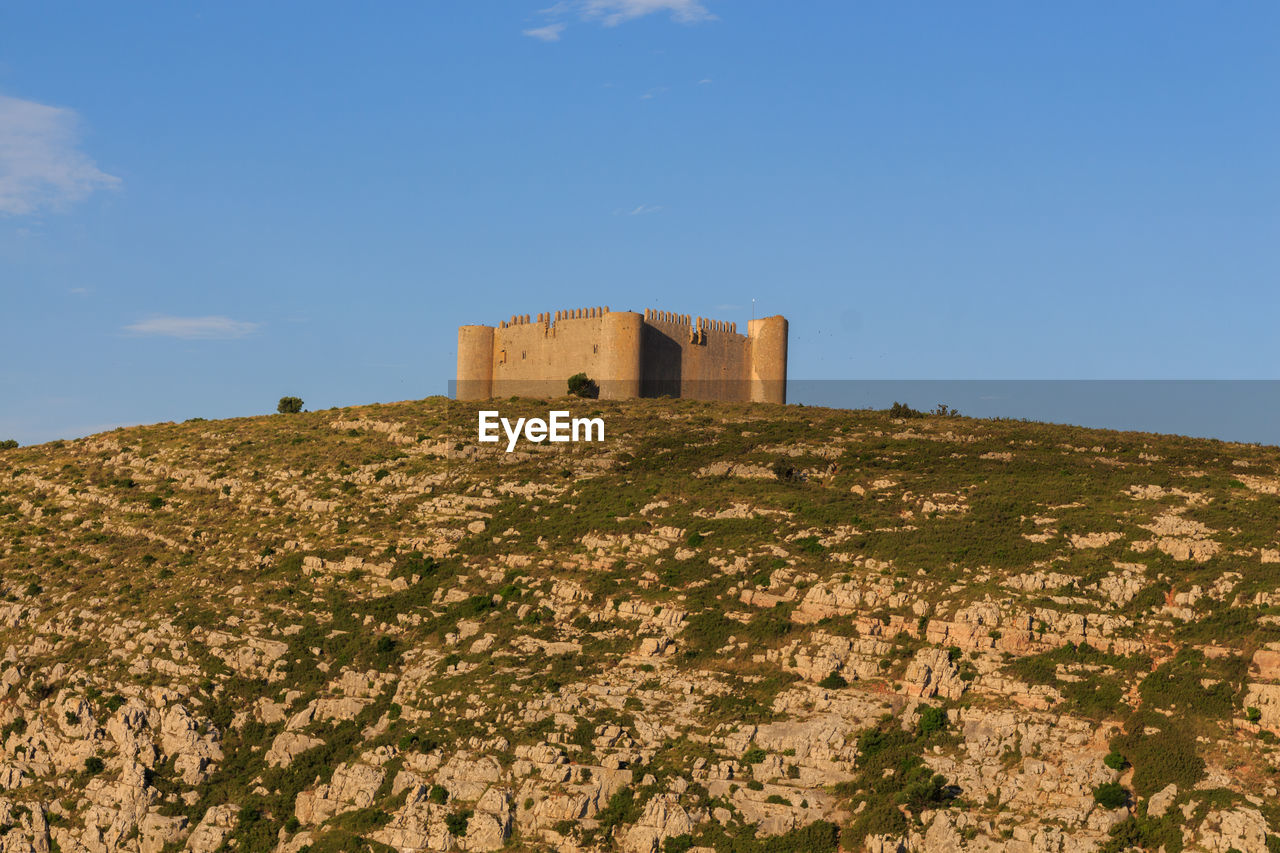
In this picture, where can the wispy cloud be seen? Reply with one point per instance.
(614, 12)
(611, 13)
(41, 165)
(638, 210)
(192, 328)
(551, 32)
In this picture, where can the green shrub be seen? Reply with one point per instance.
(1115, 761)
(623, 808)
(923, 789)
(438, 795)
(1110, 795)
(1252, 714)
(364, 821)
(8, 444)
(932, 719)
(833, 681)
(678, 843)
(581, 385)
(289, 405)
(457, 822)
(810, 545)
(902, 410)
(883, 817)
(93, 765)
(1146, 833)
(754, 755)
(785, 471)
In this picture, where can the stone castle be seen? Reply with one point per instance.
(627, 354)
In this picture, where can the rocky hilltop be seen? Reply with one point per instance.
(732, 628)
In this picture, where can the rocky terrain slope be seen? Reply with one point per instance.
(745, 629)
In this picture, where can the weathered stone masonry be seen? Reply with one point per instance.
(655, 354)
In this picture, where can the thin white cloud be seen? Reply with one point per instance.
(611, 13)
(614, 12)
(638, 210)
(41, 165)
(192, 328)
(551, 32)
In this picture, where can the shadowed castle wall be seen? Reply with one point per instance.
(679, 359)
(627, 354)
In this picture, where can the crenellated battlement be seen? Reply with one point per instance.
(700, 324)
(652, 315)
(657, 353)
(580, 313)
(546, 318)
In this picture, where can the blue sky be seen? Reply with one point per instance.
(205, 206)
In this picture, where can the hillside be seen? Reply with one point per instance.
(753, 629)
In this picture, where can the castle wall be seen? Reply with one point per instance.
(535, 360)
(627, 354)
(683, 359)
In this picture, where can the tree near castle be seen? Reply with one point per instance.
(581, 385)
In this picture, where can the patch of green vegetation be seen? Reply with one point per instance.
(1166, 756)
(833, 681)
(1111, 795)
(892, 777)
(1146, 833)
(932, 719)
(456, 822)
(1179, 685)
(624, 807)
(1090, 692)
(818, 837)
